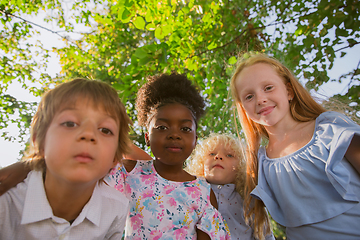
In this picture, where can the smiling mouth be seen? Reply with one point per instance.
(265, 110)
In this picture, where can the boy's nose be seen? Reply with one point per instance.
(88, 133)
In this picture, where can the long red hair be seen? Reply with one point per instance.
(303, 108)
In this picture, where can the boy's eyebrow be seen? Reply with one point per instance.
(70, 108)
(66, 108)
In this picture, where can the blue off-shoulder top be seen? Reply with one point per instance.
(316, 182)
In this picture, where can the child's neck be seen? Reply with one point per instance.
(67, 201)
(174, 173)
(290, 138)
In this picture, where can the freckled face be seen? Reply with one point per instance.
(263, 94)
(220, 165)
(172, 134)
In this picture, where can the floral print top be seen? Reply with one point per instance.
(163, 209)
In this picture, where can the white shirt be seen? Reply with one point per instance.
(25, 213)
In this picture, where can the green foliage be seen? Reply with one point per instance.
(278, 230)
(122, 42)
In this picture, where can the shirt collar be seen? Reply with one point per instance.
(92, 210)
(226, 189)
(37, 207)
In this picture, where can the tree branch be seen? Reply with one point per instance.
(352, 77)
(348, 46)
(37, 25)
(214, 49)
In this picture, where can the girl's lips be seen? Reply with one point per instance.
(266, 110)
(174, 149)
(218, 166)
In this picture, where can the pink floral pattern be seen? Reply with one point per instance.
(163, 209)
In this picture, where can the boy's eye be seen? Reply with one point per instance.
(69, 124)
(186, 129)
(106, 131)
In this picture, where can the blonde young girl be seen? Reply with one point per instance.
(308, 174)
(220, 159)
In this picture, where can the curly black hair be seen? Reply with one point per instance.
(165, 89)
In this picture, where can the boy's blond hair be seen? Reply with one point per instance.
(99, 94)
(195, 165)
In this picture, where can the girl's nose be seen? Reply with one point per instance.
(218, 157)
(174, 135)
(261, 98)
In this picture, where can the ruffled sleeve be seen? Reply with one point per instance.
(116, 178)
(342, 129)
(314, 183)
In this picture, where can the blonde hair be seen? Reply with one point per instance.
(195, 165)
(303, 108)
(99, 94)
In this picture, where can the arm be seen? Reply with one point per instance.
(11, 175)
(353, 152)
(137, 153)
(213, 200)
(201, 235)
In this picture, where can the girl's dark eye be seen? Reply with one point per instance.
(186, 129)
(161, 127)
(69, 124)
(106, 131)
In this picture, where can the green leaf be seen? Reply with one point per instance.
(125, 16)
(159, 33)
(341, 32)
(150, 27)
(144, 60)
(232, 60)
(140, 53)
(351, 41)
(212, 46)
(139, 22)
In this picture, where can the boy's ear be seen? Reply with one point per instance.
(290, 91)
(147, 140)
(41, 148)
(114, 162)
